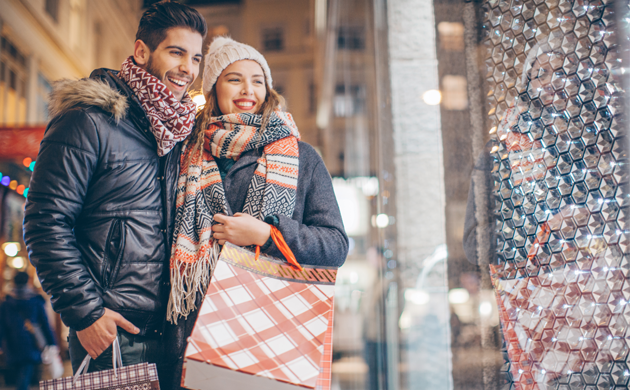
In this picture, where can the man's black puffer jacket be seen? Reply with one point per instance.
(99, 215)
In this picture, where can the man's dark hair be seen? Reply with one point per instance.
(162, 16)
(20, 278)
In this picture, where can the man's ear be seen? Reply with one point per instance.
(141, 53)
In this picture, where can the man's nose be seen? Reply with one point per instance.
(186, 66)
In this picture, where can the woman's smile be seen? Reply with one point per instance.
(245, 104)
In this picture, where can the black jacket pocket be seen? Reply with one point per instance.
(114, 249)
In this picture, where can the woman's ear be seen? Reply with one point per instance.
(141, 53)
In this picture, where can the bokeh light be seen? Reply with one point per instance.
(432, 97)
(11, 249)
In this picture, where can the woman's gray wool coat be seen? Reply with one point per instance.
(315, 233)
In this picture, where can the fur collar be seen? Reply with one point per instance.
(67, 94)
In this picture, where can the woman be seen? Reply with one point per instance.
(244, 172)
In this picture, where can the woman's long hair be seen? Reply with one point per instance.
(273, 101)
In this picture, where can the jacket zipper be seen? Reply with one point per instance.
(121, 250)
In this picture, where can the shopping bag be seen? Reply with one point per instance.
(52, 361)
(565, 321)
(141, 376)
(262, 325)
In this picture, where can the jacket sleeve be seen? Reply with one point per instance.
(66, 162)
(319, 239)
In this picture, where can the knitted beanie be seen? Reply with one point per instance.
(224, 51)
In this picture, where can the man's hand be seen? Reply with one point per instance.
(241, 229)
(100, 335)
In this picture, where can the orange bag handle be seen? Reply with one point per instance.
(277, 238)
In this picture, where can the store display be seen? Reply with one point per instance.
(556, 105)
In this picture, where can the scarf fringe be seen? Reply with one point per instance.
(201, 195)
(186, 280)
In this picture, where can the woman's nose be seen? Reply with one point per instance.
(247, 89)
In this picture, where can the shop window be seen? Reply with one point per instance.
(273, 39)
(351, 38)
(43, 91)
(52, 9)
(12, 85)
(75, 23)
(451, 36)
(349, 100)
(3, 88)
(558, 178)
(312, 98)
(454, 94)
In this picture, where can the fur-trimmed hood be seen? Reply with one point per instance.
(67, 94)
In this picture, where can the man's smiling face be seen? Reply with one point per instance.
(176, 60)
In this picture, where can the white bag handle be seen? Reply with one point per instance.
(116, 360)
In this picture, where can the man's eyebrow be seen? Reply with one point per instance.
(184, 50)
(177, 47)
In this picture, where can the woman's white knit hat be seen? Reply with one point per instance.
(224, 51)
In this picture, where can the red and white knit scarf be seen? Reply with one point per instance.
(171, 120)
(201, 195)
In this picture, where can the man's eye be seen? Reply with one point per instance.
(177, 53)
(197, 60)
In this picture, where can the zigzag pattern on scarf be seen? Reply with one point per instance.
(201, 195)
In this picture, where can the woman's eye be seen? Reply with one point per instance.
(233, 80)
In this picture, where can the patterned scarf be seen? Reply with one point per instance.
(200, 195)
(171, 120)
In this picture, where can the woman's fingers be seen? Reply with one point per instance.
(218, 228)
(221, 218)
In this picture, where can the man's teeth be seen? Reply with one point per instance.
(177, 82)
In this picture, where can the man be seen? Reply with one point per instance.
(99, 215)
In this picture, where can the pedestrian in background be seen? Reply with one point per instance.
(24, 330)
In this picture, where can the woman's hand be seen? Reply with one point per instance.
(241, 229)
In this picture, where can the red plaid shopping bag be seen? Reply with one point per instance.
(262, 325)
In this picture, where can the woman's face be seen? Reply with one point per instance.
(241, 88)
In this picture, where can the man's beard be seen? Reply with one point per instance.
(155, 72)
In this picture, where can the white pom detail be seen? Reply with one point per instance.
(219, 42)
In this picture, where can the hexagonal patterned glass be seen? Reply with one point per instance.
(563, 256)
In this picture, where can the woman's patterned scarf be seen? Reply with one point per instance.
(171, 120)
(201, 195)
